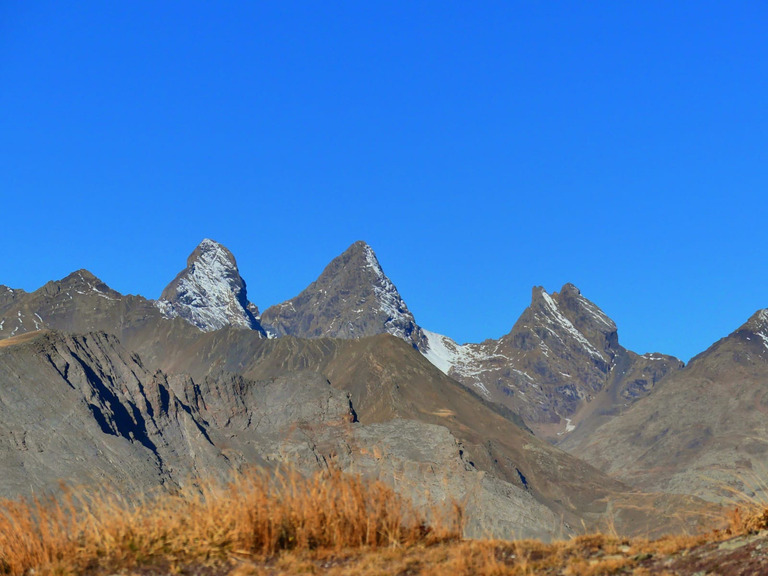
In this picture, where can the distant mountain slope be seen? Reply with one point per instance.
(561, 367)
(562, 353)
(388, 379)
(209, 292)
(704, 431)
(352, 298)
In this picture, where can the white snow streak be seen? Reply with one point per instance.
(465, 360)
(569, 328)
(596, 313)
(390, 303)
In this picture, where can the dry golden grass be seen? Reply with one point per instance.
(257, 514)
(269, 525)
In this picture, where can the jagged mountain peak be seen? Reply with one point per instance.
(209, 292)
(82, 282)
(553, 318)
(352, 298)
(85, 279)
(210, 251)
(358, 258)
(562, 353)
(584, 312)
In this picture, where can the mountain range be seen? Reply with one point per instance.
(551, 427)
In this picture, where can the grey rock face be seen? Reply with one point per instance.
(81, 408)
(427, 464)
(561, 354)
(352, 298)
(209, 292)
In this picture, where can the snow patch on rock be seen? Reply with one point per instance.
(466, 360)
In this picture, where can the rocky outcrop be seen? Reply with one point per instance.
(209, 292)
(352, 298)
(426, 463)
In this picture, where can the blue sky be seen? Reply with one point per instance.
(481, 148)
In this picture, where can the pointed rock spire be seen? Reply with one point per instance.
(352, 298)
(209, 292)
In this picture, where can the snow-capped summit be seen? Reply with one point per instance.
(209, 292)
(352, 298)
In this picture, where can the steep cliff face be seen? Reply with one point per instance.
(352, 298)
(83, 409)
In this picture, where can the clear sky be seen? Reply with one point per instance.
(481, 148)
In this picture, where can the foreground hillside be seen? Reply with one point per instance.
(330, 523)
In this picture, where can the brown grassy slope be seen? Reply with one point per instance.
(255, 515)
(703, 432)
(329, 524)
